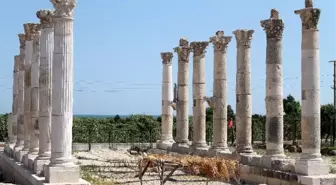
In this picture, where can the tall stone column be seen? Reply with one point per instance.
(182, 113)
(218, 102)
(15, 101)
(274, 94)
(167, 100)
(34, 98)
(243, 92)
(61, 168)
(310, 162)
(29, 32)
(199, 106)
(20, 112)
(45, 73)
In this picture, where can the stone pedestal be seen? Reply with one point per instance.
(218, 101)
(167, 101)
(243, 92)
(20, 99)
(274, 94)
(46, 56)
(61, 168)
(199, 106)
(182, 113)
(310, 162)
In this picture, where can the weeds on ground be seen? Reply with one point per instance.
(96, 180)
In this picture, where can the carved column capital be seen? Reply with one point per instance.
(64, 8)
(199, 48)
(273, 26)
(22, 39)
(309, 17)
(30, 30)
(220, 42)
(183, 50)
(46, 18)
(243, 37)
(167, 57)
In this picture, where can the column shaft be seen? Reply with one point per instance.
(45, 85)
(199, 106)
(9, 128)
(274, 93)
(20, 97)
(219, 100)
(182, 112)
(15, 99)
(167, 100)
(62, 92)
(34, 135)
(243, 92)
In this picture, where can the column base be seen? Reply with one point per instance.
(215, 151)
(183, 148)
(19, 154)
(28, 160)
(311, 167)
(39, 166)
(244, 150)
(165, 144)
(62, 174)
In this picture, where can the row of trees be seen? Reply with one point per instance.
(144, 128)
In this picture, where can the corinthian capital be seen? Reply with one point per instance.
(243, 37)
(220, 42)
(273, 26)
(22, 39)
(46, 18)
(167, 57)
(30, 30)
(309, 17)
(63, 8)
(199, 48)
(183, 50)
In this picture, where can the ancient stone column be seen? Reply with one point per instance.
(15, 101)
(310, 162)
(34, 104)
(61, 168)
(199, 106)
(243, 92)
(274, 94)
(45, 73)
(167, 100)
(29, 32)
(182, 113)
(20, 112)
(218, 101)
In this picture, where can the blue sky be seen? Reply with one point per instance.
(118, 43)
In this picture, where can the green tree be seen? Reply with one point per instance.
(292, 119)
(327, 122)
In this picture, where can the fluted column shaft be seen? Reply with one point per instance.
(167, 99)
(199, 106)
(27, 85)
(15, 100)
(34, 105)
(20, 98)
(62, 91)
(274, 93)
(45, 85)
(243, 92)
(182, 112)
(219, 100)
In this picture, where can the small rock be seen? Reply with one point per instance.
(332, 152)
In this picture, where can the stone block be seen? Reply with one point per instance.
(62, 174)
(214, 152)
(19, 155)
(287, 165)
(182, 148)
(201, 151)
(248, 159)
(39, 166)
(329, 179)
(31, 159)
(311, 167)
(165, 145)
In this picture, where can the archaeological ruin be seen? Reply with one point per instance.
(274, 167)
(39, 150)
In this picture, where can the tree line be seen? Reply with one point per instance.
(146, 128)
